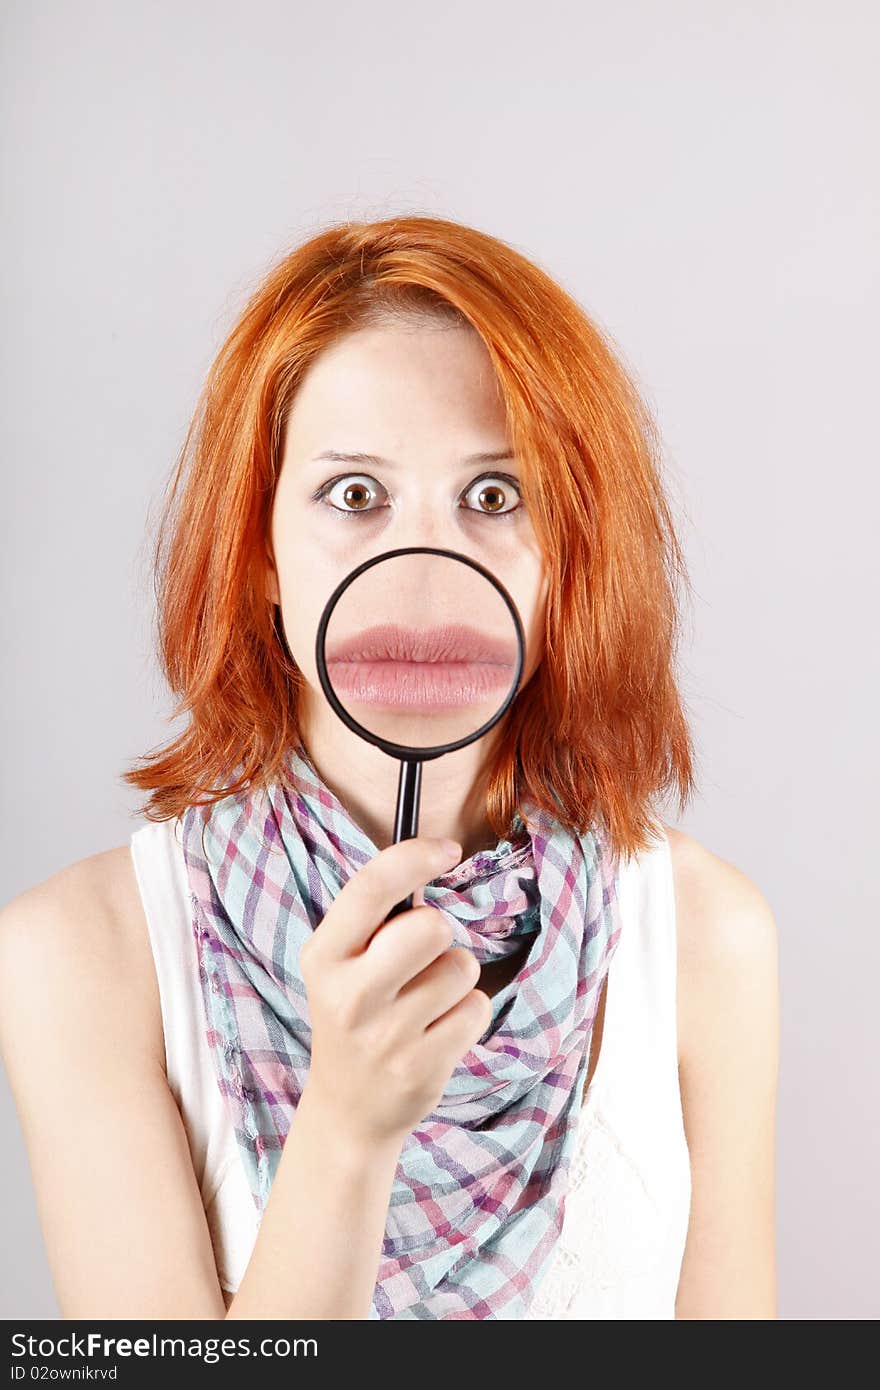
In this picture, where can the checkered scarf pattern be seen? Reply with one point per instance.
(478, 1196)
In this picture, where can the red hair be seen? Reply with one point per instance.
(599, 731)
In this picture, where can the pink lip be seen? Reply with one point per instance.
(453, 642)
(424, 668)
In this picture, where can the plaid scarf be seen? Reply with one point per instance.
(479, 1191)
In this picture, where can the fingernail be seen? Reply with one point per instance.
(451, 850)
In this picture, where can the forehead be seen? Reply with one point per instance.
(379, 386)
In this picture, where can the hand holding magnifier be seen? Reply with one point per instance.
(419, 651)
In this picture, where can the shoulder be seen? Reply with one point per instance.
(727, 966)
(92, 902)
(77, 941)
(728, 1042)
(727, 943)
(717, 905)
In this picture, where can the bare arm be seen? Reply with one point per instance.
(392, 1008)
(320, 1240)
(121, 1214)
(729, 1056)
(119, 1205)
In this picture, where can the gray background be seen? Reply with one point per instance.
(699, 177)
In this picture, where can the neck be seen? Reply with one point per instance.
(452, 803)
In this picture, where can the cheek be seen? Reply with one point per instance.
(529, 593)
(306, 578)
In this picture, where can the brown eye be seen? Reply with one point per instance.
(356, 495)
(494, 495)
(353, 493)
(492, 498)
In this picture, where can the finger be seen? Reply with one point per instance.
(369, 895)
(401, 948)
(463, 1026)
(438, 988)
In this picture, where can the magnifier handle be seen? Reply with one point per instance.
(406, 816)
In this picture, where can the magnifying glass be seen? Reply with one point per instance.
(419, 651)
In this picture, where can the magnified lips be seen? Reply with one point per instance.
(450, 643)
(423, 669)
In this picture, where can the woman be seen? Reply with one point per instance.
(280, 1101)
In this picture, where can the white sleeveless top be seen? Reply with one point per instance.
(626, 1213)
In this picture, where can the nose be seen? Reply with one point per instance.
(430, 519)
(425, 524)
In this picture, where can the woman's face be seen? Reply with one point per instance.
(418, 402)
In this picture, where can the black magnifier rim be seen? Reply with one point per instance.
(401, 750)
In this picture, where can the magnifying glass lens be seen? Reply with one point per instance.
(421, 650)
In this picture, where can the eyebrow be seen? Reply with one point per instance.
(336, 456)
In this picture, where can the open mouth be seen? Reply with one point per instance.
(421, 668)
